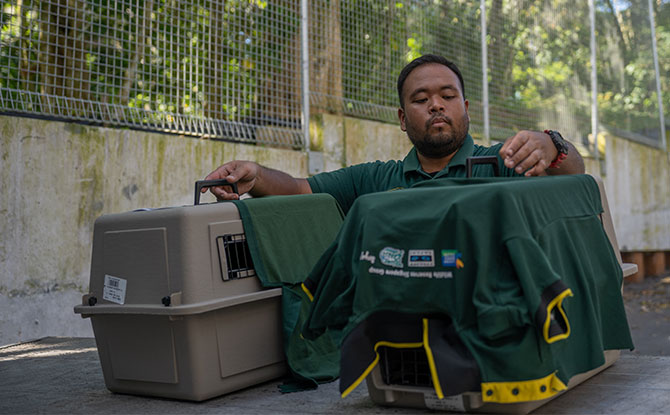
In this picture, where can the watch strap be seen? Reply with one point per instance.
(561, 147)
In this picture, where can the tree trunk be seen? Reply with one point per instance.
(62, 60)
(213, 106)
(281, 96)
(143, 26)
(326, 59)
(617, 25)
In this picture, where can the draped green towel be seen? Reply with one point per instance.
(286, 236)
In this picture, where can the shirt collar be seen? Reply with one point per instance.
(411, 161)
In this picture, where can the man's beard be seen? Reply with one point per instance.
(443, 143)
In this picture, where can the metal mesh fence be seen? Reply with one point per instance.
(358, 48)
(539, 67)
(538, 61)
(208, 68)
(662, 20)
(231, 69)
(628, 100)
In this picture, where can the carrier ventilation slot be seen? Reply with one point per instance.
(408, 367)
(235, 250)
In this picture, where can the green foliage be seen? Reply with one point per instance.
(165, 58)
(627, 97)
(540, 65)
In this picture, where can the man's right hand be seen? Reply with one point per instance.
(256, 180)
(244, 173)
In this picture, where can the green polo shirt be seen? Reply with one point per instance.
(346, 184)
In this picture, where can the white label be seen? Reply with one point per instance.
(114, 289)
(449, 403)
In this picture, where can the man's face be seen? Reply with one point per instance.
(435, 116)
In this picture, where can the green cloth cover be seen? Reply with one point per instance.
(520, 267)
(286, 236)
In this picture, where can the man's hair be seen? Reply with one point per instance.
(422, 60)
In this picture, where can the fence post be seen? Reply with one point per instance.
(652, 23)
(485, 72)
(594, 81)
(304, 29)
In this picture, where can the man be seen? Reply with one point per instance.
(434, 113)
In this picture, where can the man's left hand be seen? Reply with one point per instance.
(530, 152)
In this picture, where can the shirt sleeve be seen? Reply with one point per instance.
(339, 183)
(347, 183)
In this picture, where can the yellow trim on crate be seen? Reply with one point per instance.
(527, 390)
(372, 365)
(431, 361)
(557, 302)
(306, 290)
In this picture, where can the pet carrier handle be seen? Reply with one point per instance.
(201, 184)
(471, 161)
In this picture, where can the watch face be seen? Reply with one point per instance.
(559, 142)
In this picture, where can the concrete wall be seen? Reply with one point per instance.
(638, 190)
(346, 141)
(57, 178)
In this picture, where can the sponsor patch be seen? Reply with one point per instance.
(365, 256)
(421, 258)
(391, 257)
(452, 258)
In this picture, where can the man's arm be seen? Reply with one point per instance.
(533, 151)
(256, 180)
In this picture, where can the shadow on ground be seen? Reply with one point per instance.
(648, 309)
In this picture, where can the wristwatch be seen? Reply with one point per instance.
(561, 146)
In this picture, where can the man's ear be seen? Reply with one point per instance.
(401, 117)
(467, 104)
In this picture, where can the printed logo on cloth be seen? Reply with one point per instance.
(452, 258)
(391, 257)
(365, 256)
(421, 258)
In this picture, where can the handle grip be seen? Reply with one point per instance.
(471, 161)
(201, 184)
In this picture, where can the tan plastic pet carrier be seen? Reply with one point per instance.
(176, 307)
(402, 377)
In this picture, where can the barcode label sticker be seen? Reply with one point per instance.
(114, 289)
(449, 403)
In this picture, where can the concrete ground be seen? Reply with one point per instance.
(63, 376)
(648, 310)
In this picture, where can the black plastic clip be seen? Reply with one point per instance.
(201, 184)
(471, 161)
